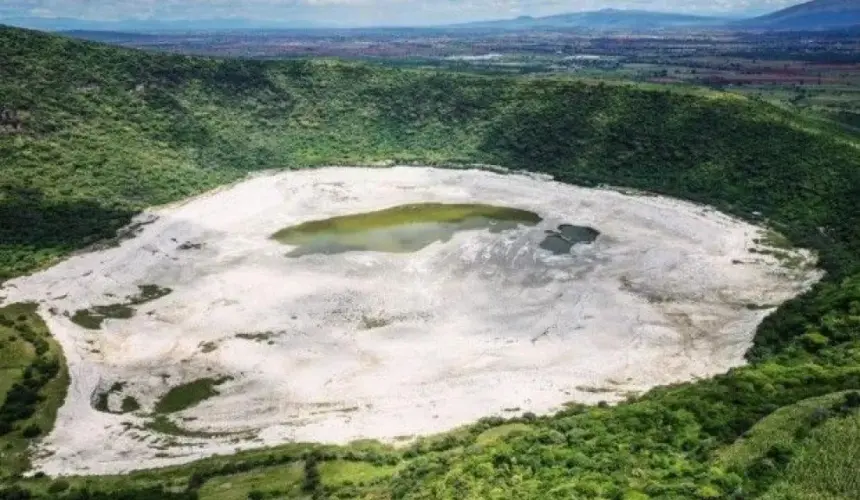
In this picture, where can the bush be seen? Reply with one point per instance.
(311, 482)
(15, 493)
(196, 480)
(814, 341)
(31, 431)
(819, 416)
(58, 486)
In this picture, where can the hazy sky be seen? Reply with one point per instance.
(359, 12)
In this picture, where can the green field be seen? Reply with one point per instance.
(104, 132)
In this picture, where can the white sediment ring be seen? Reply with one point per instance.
(484, 324)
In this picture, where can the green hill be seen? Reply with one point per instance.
(91, 134)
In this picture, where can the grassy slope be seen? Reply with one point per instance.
(825, 465)
(108, 131)
(269, 480)
(777, 428)
(818, 451)
(20, 331)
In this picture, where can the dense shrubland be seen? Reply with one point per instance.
(105, 132)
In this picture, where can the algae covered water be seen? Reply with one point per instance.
(399, 229)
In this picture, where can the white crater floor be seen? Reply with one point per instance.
(355, 345)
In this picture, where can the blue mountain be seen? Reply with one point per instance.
(605, 19)
(814, 15)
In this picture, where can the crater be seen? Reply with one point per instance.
(414, 300)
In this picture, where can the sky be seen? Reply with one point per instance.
(360, 12)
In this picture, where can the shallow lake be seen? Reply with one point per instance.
(400, 229)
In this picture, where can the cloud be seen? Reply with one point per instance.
(356, 11)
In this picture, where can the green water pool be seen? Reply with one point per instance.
(400, 229)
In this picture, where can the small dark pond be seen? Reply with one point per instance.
(561, 241)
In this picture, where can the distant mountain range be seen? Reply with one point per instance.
(605, 19)
(814, 15)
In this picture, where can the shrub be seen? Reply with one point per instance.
(311, 482)
(15, 493)
(814, 341)
(819, 416)
(58, 486)
(31, 431)
(196, 480)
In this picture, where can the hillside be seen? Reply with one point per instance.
(814, 15)
(604, 19)
(92, 134)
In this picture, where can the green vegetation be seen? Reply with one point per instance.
(129, 404)
(809, 449)
(405, 228)
(32, 387)
(496, 434)
(125, 129)
(163, 425)
(102, 400)
(825, 465)
(105, 132)
(93, 317)
(776, 429)
(186, 395)
(268, 481)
